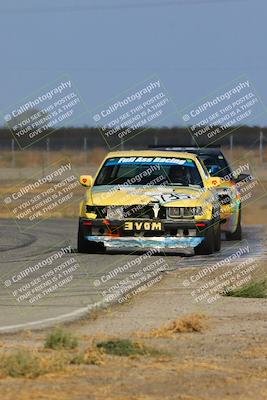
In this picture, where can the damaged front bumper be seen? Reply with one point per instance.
(173, 235)
(162, 242)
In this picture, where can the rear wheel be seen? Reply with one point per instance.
(237, 234)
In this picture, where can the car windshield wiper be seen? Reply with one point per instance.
(178, 184)
(193, 185)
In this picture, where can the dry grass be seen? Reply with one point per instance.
(30, 364)
(240, 153)
(36, 157)
(90, 356)
(32, 158)
(26, 363)
(187, 324)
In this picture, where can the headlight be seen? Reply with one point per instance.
(185, 212)
(90, 209)
(197, 210)
(100, 211)
(227, 195)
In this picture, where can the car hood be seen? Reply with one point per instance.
(130, 195)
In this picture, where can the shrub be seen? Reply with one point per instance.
(61, 339)
(252, 290)
(21, 363)
(125, 347)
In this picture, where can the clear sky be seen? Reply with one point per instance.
(106, 46)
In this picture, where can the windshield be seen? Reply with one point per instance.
(151, 171)
(218, 160)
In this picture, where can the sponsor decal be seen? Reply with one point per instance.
(168, 197)
(151, 160)
(142, 226)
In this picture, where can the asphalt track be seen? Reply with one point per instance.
(89, 278)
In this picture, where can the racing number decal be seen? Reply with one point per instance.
(167, 197)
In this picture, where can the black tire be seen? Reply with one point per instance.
(207, 246)
(85, 246)
(81, 243)
(237, 234)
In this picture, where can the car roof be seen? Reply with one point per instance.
(195, 150)
(151, 153)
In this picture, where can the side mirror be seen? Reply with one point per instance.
(214, 181)
(86, 180)
(242, 177)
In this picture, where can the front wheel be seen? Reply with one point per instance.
(217, 244)
(207, 246)
(85, 246)
(237, 234)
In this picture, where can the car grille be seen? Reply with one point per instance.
(143, 212)
(182, 212)
(133, 211)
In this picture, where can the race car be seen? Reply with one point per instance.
(150, 199)
(229, 196)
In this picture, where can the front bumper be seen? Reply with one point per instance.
(180, 234)
(167, 242)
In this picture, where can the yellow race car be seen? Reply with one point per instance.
(150, 199)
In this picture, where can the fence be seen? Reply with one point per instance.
(86, 139)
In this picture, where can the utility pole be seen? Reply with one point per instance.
(85, 148)
(85, 144)
(48, 150)
(261, 147)
(13, 160)
(231, 146)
